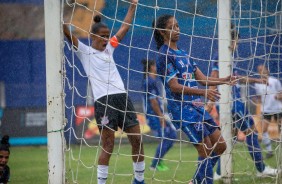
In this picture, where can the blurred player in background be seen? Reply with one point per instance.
(153, 107)
(241, 117)
(180, 75)
(4, 158)
(113, 108)
(271, 106)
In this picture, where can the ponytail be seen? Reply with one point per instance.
(97, 24)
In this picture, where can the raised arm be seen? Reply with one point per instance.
(71, 38)
(127, 20)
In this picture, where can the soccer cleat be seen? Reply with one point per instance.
(135, 181)
(162, 166)
(158, 168)
(268, 171)
(269, 155)
(216, 176)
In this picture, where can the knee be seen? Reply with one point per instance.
(221, 148)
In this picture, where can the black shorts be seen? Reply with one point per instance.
(115, 111)
(276, 116)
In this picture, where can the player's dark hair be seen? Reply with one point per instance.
(160, 23)
(5, 145)
(97, 24)
(147, 64)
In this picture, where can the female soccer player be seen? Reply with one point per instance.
(242, 118)
(180, 75)
(113, 108)
(271, 106)
(155, 115)
(4, 158)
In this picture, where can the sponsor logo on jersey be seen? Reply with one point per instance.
(198, 126)
(105, 120)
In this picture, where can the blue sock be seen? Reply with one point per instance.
(255, 150)
(204, 173)
(216, 159)
(218, 170)
(162, 149)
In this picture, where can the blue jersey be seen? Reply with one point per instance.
(150, 87)
(175, 64)
(236, 94)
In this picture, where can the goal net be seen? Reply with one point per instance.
(259, 26)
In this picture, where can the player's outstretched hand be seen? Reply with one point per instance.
(262, 81)
(232, 80)
(212, 94)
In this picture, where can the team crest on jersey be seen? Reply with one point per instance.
(198, 102)
(105, 120)
(198, 126)
(186, 75)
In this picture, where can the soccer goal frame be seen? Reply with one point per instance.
(54, 88)
(53, 11)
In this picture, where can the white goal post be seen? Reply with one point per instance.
(54, 85)
(224, 40)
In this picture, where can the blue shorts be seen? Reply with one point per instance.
(155, 126)
(195, 122)
(243, 120)
(153, 122)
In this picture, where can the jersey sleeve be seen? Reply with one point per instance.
(166, 68)
(214, 65)
(194, 65)
(114, 42)
(82, 51)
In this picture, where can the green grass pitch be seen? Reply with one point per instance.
(30, 165)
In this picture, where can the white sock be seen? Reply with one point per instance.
(139, 168)
(266, 141)
(102, 174)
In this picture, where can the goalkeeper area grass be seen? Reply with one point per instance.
(30, 165)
